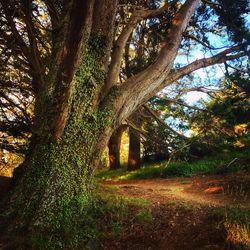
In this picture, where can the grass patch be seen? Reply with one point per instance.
(144, 216)
(111, 174)
(237, 225)
(104, 217)
(171, 203)
(139, 202)
(228, 162)
(112, 189)
(113, 212)
(185, 207)
(239, 216)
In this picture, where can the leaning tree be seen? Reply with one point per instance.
(72, 52)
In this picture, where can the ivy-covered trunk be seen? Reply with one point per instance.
(52, 186)
(72, 126)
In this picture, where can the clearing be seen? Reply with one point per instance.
(183, 213)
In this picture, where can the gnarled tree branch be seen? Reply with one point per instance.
(116, 56)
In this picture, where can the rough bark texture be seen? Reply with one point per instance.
(114, 147)
(139, 88)
(75, 40)
(70, 132)
(134, 156)
(52, 185)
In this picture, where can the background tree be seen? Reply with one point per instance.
(114, 147)
(225, 125)
(134, 154)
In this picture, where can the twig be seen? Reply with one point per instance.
(231, 162)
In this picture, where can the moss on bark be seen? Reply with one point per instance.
(52, 194)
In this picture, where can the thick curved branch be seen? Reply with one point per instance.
(138, 88)
(175, 75)
(198, 64)
(117, 53)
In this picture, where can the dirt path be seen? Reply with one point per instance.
(207, 190)
(184, 212)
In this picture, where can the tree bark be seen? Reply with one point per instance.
(134, 156)
(114, 148)
(70, 132)
(54, 182)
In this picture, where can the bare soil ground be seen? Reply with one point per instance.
(184, 212)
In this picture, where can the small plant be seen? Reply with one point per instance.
(116, 228)
(140, 202)
(112, 189)
(185, 207)
(144, 216)
(171, 203)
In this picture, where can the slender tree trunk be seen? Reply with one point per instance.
(114, 147)
(134, 156)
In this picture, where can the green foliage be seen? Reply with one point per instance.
(235, 221)
(227, 162)
(57, 175)
(238, 215)
(98, 45)
(83, 223)
(116, 228)
(139, 202)
(226, 123)
(89, 228)
(144, 216)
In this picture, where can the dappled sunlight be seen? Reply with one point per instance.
(237, 235)
(214, 190)
(175, 210)
(6, 171)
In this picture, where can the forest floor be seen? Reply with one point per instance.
(183, 213)
(202, 212)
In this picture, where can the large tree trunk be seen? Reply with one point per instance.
(71, 129)
(114, 148)
(52, 185)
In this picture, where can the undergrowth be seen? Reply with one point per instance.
(103, 217)
(228, 162)
(236, 222)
